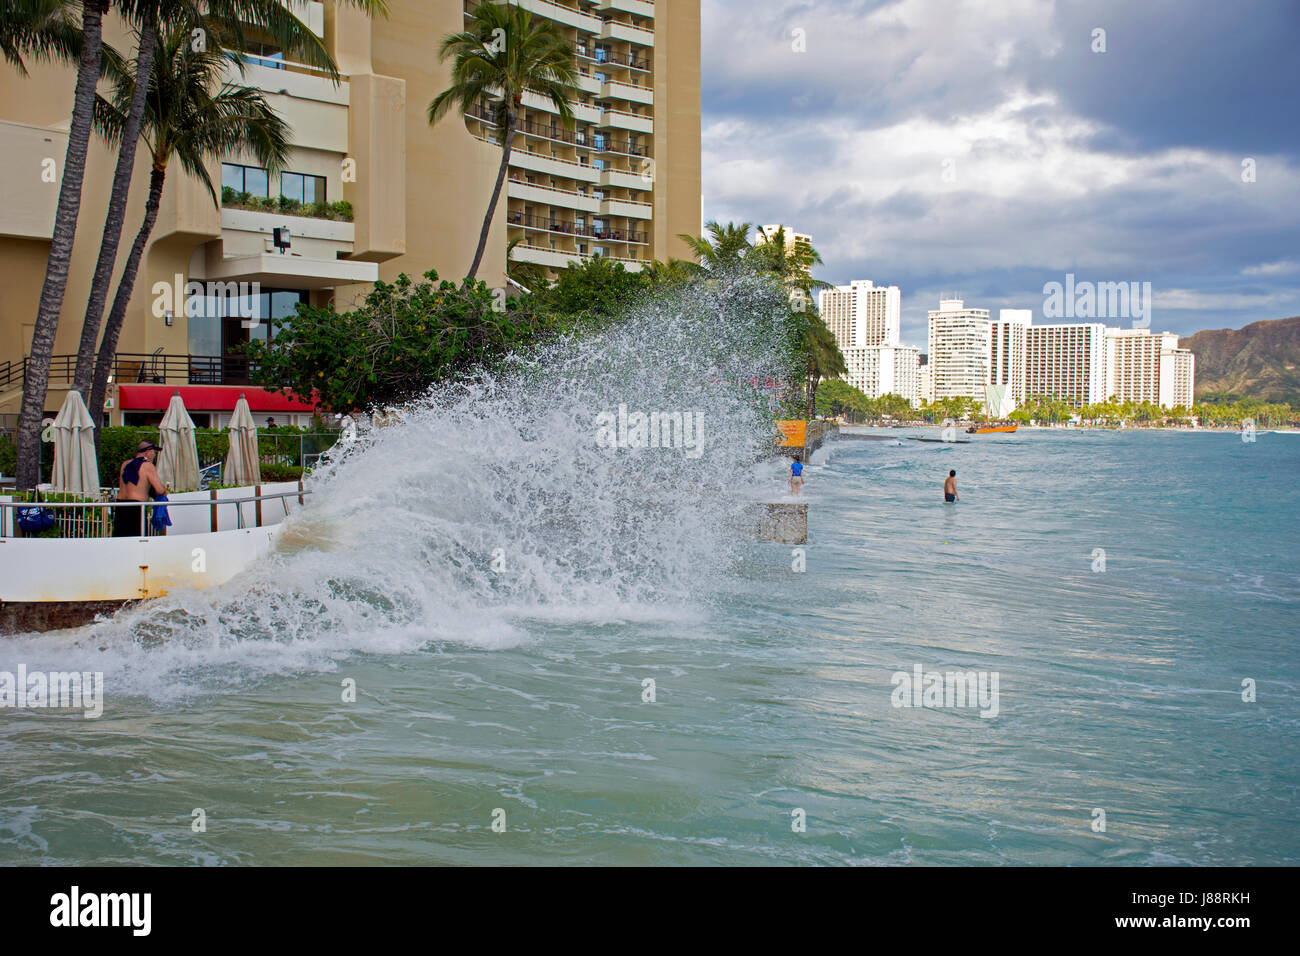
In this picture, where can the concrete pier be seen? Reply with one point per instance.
(781, 522)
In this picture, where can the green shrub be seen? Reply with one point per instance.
(289, 206)
(8, 457)
(229, 196)
(272, 471)
(317, 210)
(343, 210)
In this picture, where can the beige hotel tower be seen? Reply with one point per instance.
(622, 183)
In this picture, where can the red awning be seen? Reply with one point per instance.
(207, 398)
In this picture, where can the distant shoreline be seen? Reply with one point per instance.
(1228, 430)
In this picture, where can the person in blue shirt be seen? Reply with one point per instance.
(796, 476)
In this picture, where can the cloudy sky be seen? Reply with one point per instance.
(982, 147)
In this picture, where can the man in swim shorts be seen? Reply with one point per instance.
(950, 488)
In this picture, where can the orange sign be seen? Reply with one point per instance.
(791, 434)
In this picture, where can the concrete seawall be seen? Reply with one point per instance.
(817, 433)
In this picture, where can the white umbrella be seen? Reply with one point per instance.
(75, 468)
(242, 467)
(178, 462)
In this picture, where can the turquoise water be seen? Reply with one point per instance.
(1120, 690)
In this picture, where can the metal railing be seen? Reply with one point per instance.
(571, 228)
(93, 519)
(157, 369)
(599, 142)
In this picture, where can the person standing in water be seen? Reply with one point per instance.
(796, 476)
(950, 488)
(137, 481)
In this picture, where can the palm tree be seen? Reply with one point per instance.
(40, 29)
(37, 375)
(723, 249)
(821, 354)
(529, 276)
(184, 119)
(503, 52)
(670, 273)
(267, 16)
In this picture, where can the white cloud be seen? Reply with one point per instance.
(1281, 267)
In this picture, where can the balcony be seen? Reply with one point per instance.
(614, 90)
(562, 14)
(628, 208)
(585, 114)
(548, 196)
(559, 259)
(617, 119)
(248, 232)
(642, 8)
(624, 179)
(601, 58)
(569, 227)
(552, 166)
(614, 30)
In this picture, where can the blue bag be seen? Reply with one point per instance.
(35, 520)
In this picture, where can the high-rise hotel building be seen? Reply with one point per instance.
(865, 319)
(1066, 362)
(1079, 364)
(622, 183)
(1142, 367)
(959, 344)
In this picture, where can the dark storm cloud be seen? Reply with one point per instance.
(982, 146)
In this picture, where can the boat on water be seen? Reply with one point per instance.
(995, 407)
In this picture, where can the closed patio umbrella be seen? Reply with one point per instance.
(75, 468)
(242, 465)
(178, 462)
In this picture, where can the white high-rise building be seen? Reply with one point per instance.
(1066, 363)
(1007, 357)
(865, 319)
(792, 238)
(1142, 367)
(885, 370)
(959, 350)
(926, 378)
(862, 314)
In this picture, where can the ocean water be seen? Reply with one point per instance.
(517, 697)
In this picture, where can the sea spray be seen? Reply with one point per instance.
(489, 503)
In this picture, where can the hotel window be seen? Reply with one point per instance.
(245, 179)
(302, 187)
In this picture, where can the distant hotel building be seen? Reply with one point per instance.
(865, 320)
(1007, 357)
(1080, 363)
(959, 345)
(1066, 362)
(792, 238)
(1143, 367)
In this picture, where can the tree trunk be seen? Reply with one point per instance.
(125, 285)
(37, 377)
(116, 217)
(507, 142)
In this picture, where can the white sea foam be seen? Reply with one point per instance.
(488, 504)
